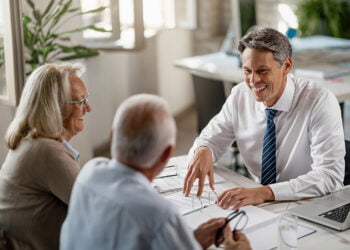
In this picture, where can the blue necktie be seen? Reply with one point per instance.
(268, 169)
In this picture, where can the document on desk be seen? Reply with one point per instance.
(267, 237)
(261, 229)
(257, 217)
(175, 183)
(191, 203)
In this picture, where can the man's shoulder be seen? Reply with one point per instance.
(150, 201)
(103, 178)
(240, 88)
(93, 169)
(310, 89)
(309, 86)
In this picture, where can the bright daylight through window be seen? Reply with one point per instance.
(131, 20)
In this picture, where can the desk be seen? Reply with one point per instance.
(324, 238)
(222, 68)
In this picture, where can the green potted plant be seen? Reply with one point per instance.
(43, 39)
(326, 17)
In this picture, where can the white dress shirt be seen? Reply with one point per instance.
(115, 207)
(71, 150)
(310, 144)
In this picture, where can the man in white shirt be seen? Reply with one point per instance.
(305, 130)
(114, 206)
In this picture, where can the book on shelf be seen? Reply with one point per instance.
(323, 71)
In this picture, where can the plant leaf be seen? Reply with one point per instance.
(76, 52)
(77, 56)
(60, 14)
(31, 4)
(46, 49)
(43, 43)
(26, 20)
(100, 9)
(48, 8)
(37, 16)
(67, 38)
(73, 10)
(93, 27)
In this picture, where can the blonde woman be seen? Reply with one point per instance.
(37, 175)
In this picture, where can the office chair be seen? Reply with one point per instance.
(209, 96)
(347, 163)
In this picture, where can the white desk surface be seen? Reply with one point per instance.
(219, 66)
(324, 238)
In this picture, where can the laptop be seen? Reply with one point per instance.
(332, 210)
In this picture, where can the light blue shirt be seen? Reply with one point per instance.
(115, 207)
(71, 150)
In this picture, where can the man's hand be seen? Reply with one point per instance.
(245, 196)
(200, 166)
(235, 240)
(206, 233)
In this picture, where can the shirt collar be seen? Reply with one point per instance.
(71, 150)
(284, 103)
(125, 170)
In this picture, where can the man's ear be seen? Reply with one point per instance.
(166, 154)
(288, 64)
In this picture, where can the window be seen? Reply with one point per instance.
(11, 52)
(132, 20)
(107, 19)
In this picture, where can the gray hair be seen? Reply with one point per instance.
(142, 129)
(267, 39)
(39, 110)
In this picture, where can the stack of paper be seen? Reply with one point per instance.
(323, 71)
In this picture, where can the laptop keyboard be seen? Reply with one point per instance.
(338, 214)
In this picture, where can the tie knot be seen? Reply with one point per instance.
(270, 113)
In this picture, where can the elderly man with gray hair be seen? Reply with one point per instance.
(289, 130)
(114, 206)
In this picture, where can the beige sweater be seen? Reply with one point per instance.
(36, 180)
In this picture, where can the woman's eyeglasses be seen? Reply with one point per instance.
(81, 102)
(241, 222)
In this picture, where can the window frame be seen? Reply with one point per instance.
(13, 49)
(189, 21)
(138, 31)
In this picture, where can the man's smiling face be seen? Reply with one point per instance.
(264, 76)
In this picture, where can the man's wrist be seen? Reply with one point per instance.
(204, 151)
(202, 148)
(267, 193)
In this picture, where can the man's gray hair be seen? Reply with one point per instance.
(267, 39)
(142, 129)
(39, 111)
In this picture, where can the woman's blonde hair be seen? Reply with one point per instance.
(39, 111)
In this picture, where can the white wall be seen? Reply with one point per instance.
(114, 75)
(174, 84)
